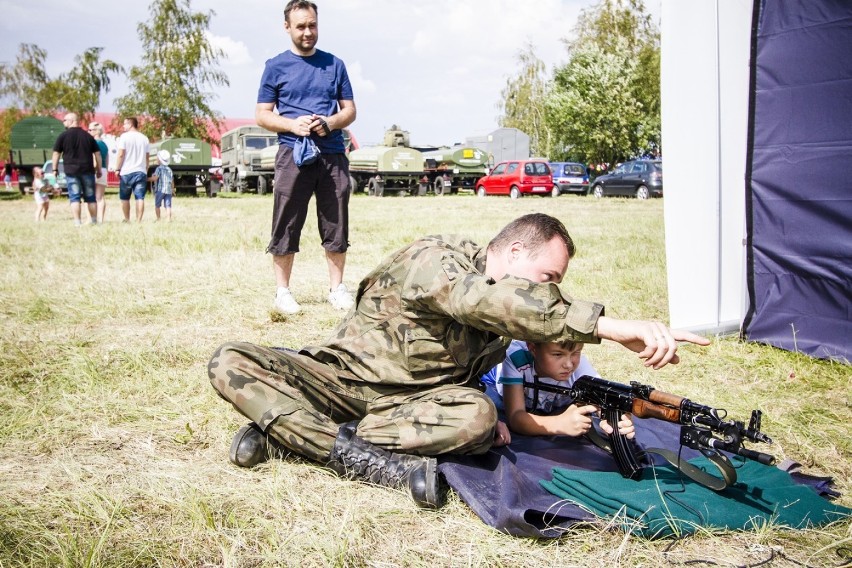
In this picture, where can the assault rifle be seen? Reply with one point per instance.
(703, 428)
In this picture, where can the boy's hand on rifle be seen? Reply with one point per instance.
(625, 427)
(576, 420)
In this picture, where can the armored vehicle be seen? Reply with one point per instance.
(451, 169)
(395, 166)
(191, 161)
(31, 144)
(241, 168)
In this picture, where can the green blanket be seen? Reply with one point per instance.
(663, 502)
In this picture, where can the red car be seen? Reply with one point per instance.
(517, 177)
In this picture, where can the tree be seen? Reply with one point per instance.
(523, 102)
(171, 91)
(23, 83)
(8, 118)
(84, 83)
(27, 84)
(611, 82)
(591, 110)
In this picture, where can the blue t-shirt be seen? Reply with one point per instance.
(306, 85)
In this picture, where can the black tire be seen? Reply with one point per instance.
(555, 191)
(642, 192)
(515, 193)
(480, 191)
(598, 190)
(353, 184)
(262, 185)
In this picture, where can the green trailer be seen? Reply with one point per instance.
(191, 161)
(452, 169)
(31, 145)
(384, 168)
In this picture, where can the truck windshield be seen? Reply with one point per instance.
(259, 142)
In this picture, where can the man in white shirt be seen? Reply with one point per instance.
(132, 167)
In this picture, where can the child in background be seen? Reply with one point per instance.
(164, 184)
(558, 363)
(41, 193)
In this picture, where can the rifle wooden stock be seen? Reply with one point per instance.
(645, 409)
(668, 399)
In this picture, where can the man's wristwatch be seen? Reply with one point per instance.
(325, 127)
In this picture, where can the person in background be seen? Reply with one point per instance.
(132, 167)
(311, 92)
(41, 193)
(96, 129)
(82, 159)
(164, 184)
(7, 175)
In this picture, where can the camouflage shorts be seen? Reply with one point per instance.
(301, 403)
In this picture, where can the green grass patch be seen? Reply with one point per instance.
(113, 446)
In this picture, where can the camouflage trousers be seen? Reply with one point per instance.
(301, 403)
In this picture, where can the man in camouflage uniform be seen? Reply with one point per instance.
(401, 371)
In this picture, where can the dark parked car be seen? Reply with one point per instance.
(569, 177)
(517, 177)
(642, 178)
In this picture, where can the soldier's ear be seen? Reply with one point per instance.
(514, 250)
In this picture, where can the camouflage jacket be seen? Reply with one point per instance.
(429, 316)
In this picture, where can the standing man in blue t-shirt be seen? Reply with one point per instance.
(311, 92)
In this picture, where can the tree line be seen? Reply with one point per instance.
(603, 105)
(171, 90)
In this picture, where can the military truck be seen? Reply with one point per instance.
(241, 169)
(452, 169)
(31, 145)
(394, 166)
(191, 161)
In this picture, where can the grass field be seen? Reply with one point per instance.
(113, 446)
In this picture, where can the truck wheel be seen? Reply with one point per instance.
(376, 187)
(439, 186)
(262, 184)
(353, 185)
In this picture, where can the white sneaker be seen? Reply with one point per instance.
(341, 298)
(285, 302)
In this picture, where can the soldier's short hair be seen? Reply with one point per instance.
(534, 230)
(298, 5)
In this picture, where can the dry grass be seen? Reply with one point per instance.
(113, 446)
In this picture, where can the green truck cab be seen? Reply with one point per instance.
(31, 145)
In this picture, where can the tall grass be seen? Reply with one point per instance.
(113, 446)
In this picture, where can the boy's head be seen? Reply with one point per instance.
(38, 173)
(557, 359)
(163, 156)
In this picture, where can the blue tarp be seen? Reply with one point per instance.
(799, 178)
(503, 487)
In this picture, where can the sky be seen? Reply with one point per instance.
(433, 67)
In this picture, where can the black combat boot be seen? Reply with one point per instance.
(251, 446)
(356, 458)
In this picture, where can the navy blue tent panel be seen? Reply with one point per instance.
(799, 177)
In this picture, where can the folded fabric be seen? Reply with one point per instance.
(305, 151)
(663, 502)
